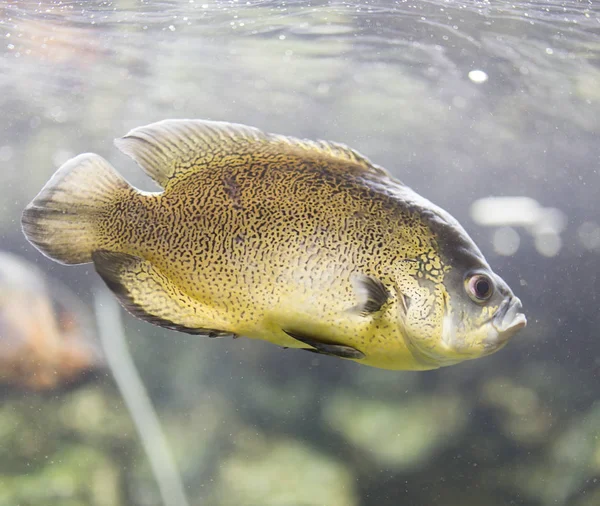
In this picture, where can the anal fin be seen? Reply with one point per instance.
(151, 296)
(338, 350)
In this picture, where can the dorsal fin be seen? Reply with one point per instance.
(171, 148)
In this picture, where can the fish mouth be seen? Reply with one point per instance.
(506, 321)
(509, 318)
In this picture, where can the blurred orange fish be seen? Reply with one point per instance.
(47, 340)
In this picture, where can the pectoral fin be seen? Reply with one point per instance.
(149, 295)
(372, 294)
(338, 350)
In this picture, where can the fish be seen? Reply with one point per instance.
(305, 244)
(47, 339)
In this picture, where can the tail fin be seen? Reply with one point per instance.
(60, 221)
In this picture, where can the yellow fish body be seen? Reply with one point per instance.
(304, 244)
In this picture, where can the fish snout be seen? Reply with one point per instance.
(509, 317)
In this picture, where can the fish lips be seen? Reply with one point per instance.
(509, 319)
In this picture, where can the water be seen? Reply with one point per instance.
(463, 102)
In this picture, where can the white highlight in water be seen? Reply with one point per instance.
(108, 314)
(589, 235)
(551, 221)
(509, 211)
(506, 241)
(544, 223)
(548, 244)
(478, 76)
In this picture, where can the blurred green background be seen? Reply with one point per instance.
(254, 425)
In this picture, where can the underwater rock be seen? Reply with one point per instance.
(281, 472)
(522, 414)
(75, 450)
(569, 464)
(401, 436)
(75, 476)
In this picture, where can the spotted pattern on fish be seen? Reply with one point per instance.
(268, 237)
(305, 225)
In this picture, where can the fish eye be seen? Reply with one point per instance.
(479, 287)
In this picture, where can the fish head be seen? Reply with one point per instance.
(481, 314)
(459, 309)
